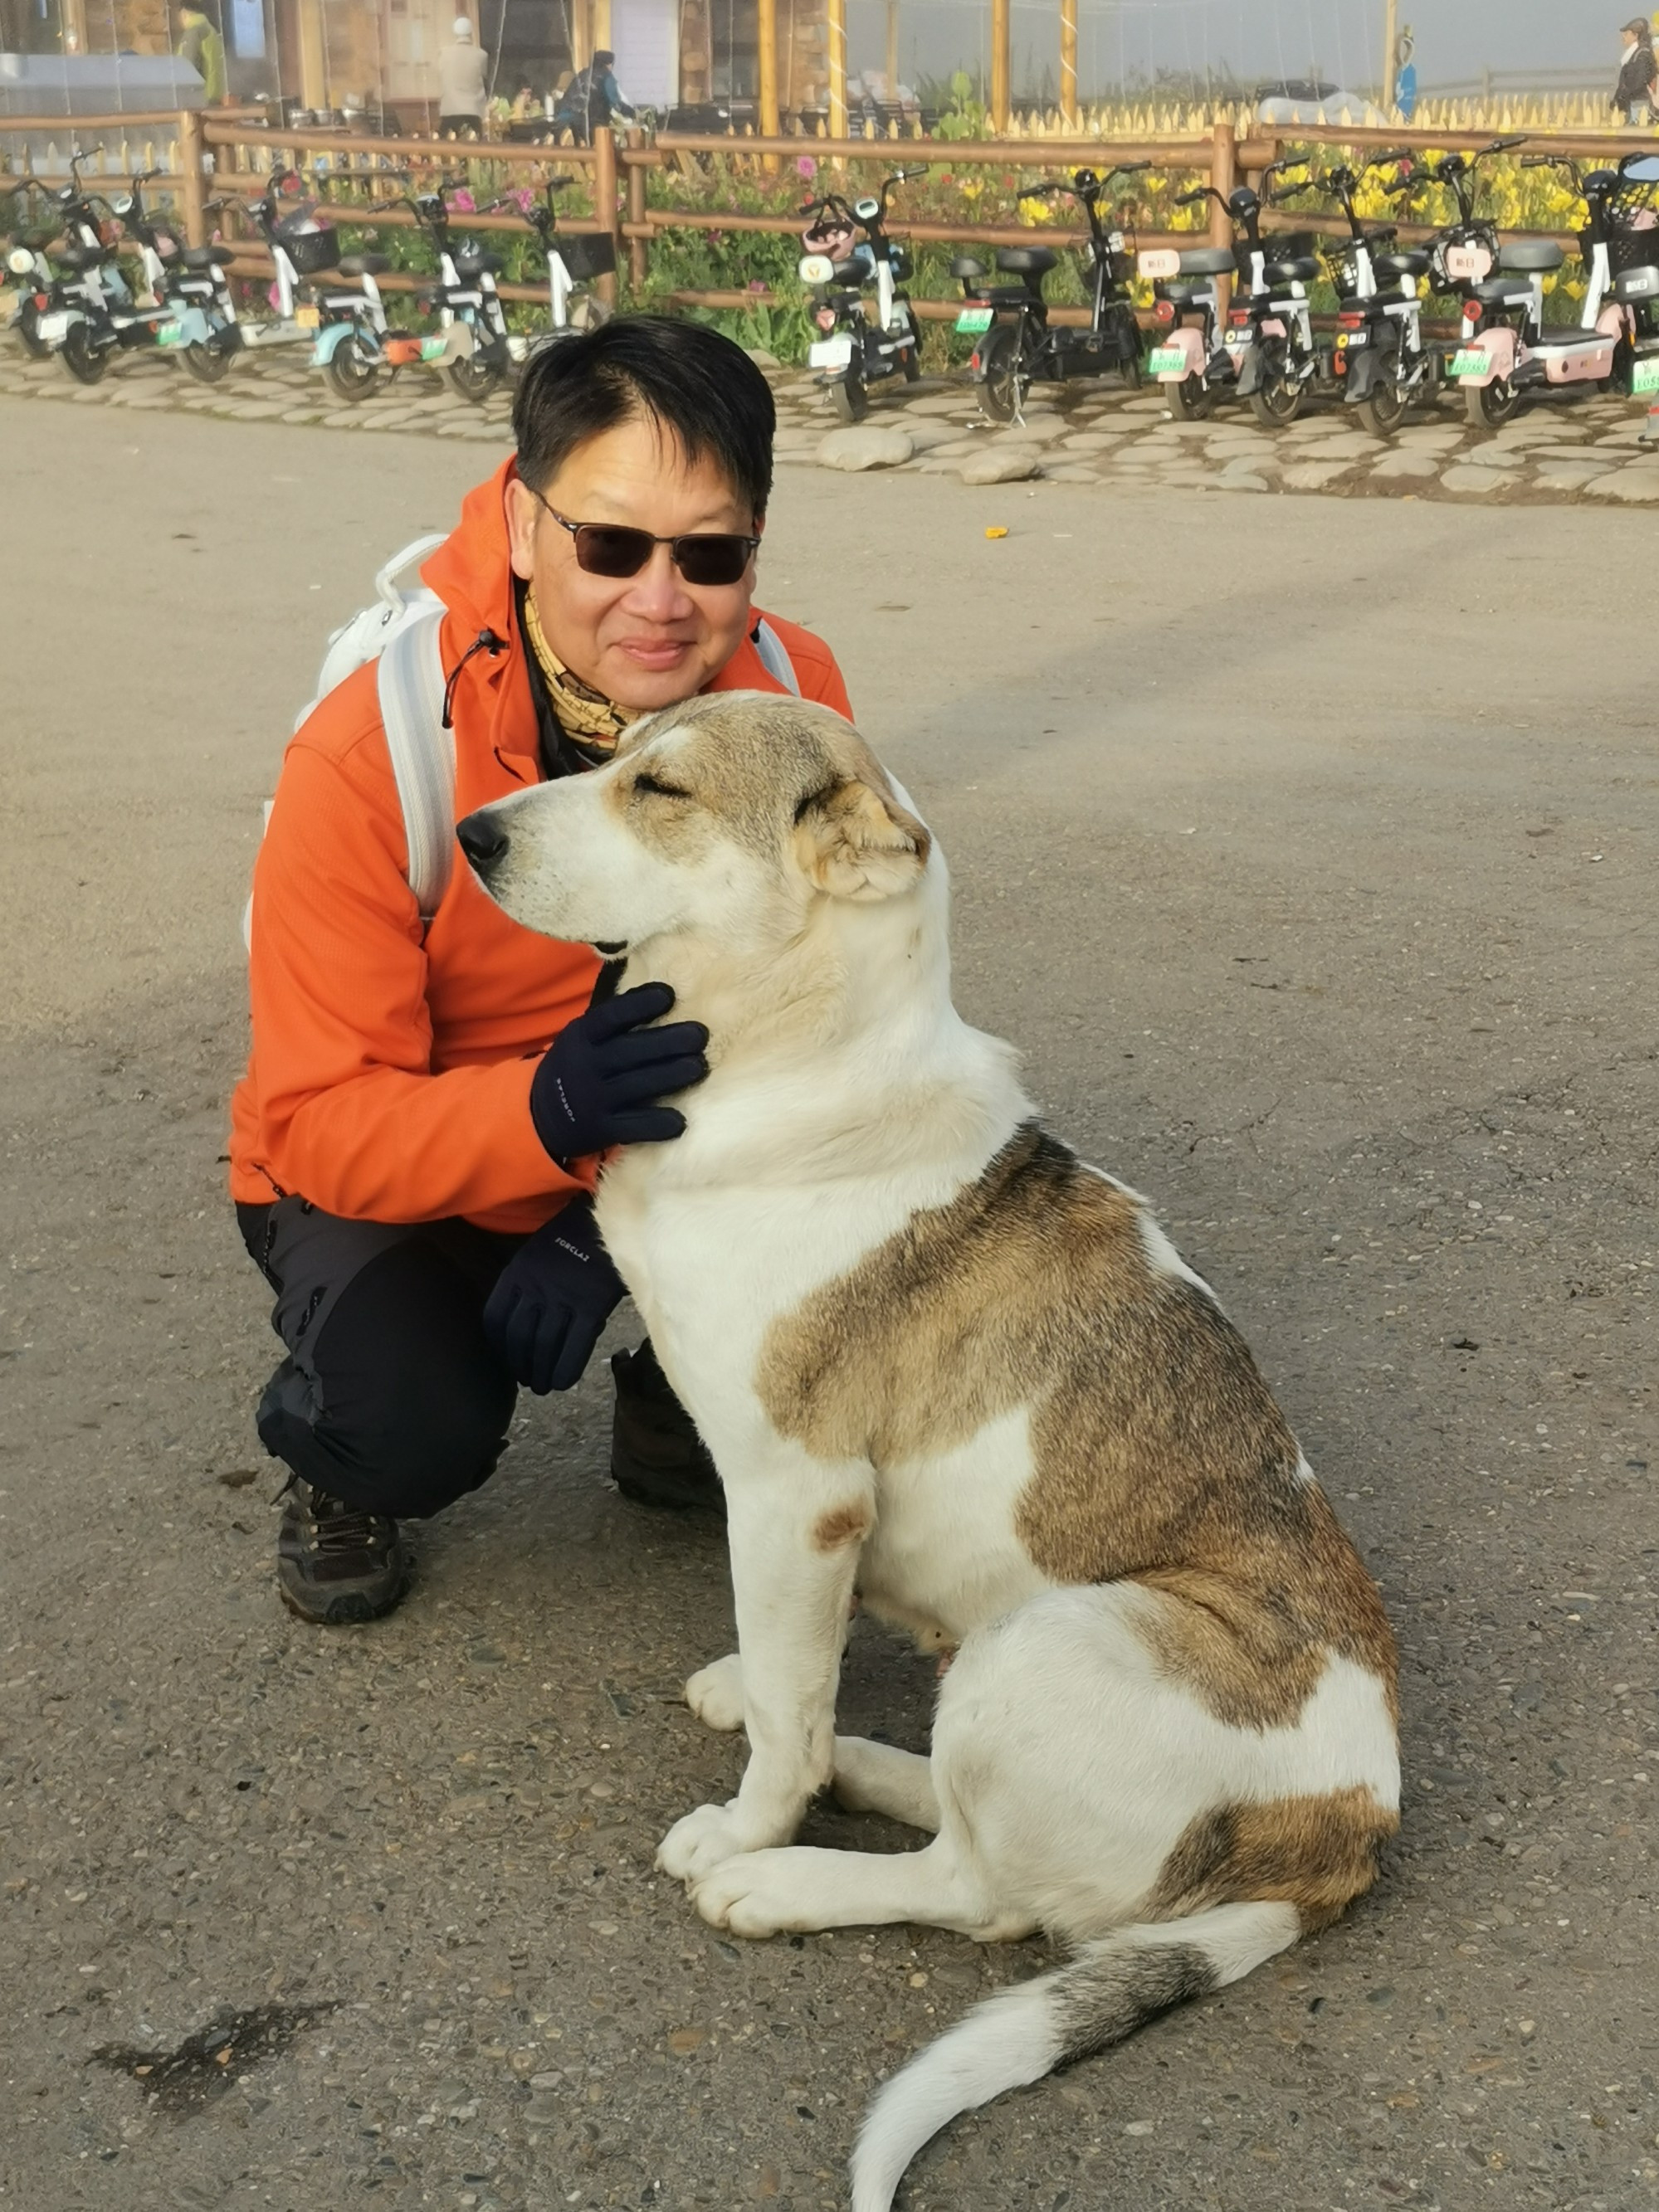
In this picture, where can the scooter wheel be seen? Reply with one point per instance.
(849, 399)
(1381, 410)
(910, 359)
(474, 379)
(1489, 406)
(33, 344)
(1002, 393)
(1277, 403)
(351, 371)
(208, 364)
(85, 361)
(1191, 400)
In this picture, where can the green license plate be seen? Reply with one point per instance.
(1644, 376)
(170, 334)
(1470, 362)
(974, 320)
(1166, 359)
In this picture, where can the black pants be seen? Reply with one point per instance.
(391, 1397)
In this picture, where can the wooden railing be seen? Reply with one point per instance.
(213, 148)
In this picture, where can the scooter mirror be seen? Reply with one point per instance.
(866, 210)
(1642, 170)
(814, 269)
(20, 263)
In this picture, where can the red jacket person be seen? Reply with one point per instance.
(415, 1137)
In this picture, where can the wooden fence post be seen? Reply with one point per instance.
(192, 190)
(637, 263)
(1068, 114)
(835, 39)
(999, 46)
(766, 39)
(1224, 175)
(604, 201)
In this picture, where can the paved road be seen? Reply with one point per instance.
(1307, 850)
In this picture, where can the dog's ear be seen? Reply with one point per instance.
(857, 842)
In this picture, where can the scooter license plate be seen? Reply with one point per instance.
(830, 353)
(51, 328)
(308, 319)
(974, 320)
(1644, 376)
(1469, 360)
(1166, 360)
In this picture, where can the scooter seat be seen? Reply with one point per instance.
(1301, 270)
(207, 257)
(1531, 257)
(364, 264)
(1025, 260)
(1208, 261)
(1003, 296)
(82, 258)
(479, 263)
(1179, 295)
(965, 268)
(1634, 284)
(1410, 264)
(1495, 291)
(850, 272)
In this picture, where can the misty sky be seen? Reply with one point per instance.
(1456, 39)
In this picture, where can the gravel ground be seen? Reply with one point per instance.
(1312, 872)
(1590, 449)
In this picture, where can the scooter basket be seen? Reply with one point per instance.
(1627, 249)
(310, 246)
(586, 253)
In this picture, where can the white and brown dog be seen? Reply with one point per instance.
(945, 1366)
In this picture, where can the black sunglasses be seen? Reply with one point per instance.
(607, 548)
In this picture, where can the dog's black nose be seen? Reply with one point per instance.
(481, 838)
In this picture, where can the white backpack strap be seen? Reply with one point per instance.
(410, 677)
(775, 657)
(386, 580)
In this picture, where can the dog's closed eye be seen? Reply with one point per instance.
(653, 787)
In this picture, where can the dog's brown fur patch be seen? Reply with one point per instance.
(1316, 1853)
(1160, 1455)
(841, 1525)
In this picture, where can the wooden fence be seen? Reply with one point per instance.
(208, 154)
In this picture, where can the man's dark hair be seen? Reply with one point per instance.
(605, 58)
(693, 384)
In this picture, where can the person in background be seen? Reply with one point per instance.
(526, 104)
(201, 45)
(1405, 76)
(592, 98)
(1639, 73)
(462, 84)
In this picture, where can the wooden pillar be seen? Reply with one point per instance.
(636, 246)
(72, 19)
(892, 49)
(766, 41)
(604, 202)
(599, 29)
(313, 55)
(1224, 175)
(1390, 40)
(835, 33)
(1000, 38)
(1068, 110)
(582, 40)
(193, 191)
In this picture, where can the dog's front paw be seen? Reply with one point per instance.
(753, 1896)
(702, 1840)
(715, 1694)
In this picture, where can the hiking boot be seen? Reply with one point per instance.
(335, 1565)
(657, 1457)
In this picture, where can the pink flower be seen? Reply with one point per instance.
(757, 284)
(463, 202)
(525, 198)
(805, 166)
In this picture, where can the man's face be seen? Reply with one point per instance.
(647, 640)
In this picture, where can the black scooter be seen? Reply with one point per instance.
(1019, 346)
(854, 352)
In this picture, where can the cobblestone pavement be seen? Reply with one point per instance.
(1588, 450)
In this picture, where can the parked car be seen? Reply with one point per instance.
(1310, 100)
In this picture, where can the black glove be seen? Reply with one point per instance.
(552, 1300)
(600, 1078)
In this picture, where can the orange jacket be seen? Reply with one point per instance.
(390, 1077)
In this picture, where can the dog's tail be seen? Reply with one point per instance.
(1112, 1987)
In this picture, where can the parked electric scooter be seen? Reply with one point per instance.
(1508, 352)
(1017, 346)
(1194, 359)
(574, 259)
(854, 353)
(209, 330)
(1619, 246)
(1379, 358)
(1467, 249)
(38, 285)
(93, 313)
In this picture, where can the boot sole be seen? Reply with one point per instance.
(351, 1609)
